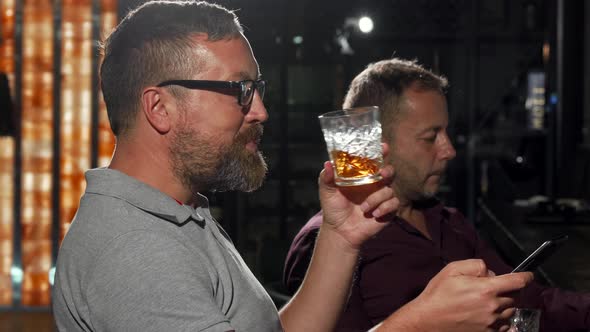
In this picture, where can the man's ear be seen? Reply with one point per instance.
(155, 110)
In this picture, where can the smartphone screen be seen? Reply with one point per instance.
(541, 254)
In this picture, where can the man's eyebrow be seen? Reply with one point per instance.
(246, 76)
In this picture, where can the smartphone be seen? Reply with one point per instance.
(541, 254)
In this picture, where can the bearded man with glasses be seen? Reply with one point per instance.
(184, 98)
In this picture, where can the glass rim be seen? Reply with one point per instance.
(342, 113)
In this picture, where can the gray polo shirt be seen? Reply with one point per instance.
(134, 259)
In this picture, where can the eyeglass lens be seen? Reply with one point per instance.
(248, 90)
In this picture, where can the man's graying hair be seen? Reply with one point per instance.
(152, 44)
(383, 83)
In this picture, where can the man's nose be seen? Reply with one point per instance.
(257, 111)
(447, 151)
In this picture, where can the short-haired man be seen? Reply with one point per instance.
(396, 265)
(184, 98)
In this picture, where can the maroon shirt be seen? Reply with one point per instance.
(396, 265)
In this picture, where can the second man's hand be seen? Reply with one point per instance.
(462, 297)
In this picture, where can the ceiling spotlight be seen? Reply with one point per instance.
(365, 24)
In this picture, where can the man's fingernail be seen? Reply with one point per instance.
(377, 213)
(365, 207)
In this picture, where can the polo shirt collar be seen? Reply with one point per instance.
(110, 182)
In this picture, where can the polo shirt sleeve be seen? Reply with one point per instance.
(150, 282)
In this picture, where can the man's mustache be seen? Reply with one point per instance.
(253, 133)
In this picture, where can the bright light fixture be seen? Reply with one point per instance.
(365, 24)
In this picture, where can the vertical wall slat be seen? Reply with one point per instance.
(57, 39)
(18, 71)
(7, 45)
(106, 140)
(76, 105)
(37, 151)
(96, 28)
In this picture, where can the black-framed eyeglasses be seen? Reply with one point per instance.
(243, 89)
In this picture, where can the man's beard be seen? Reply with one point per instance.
(408, 182)
(202, 165)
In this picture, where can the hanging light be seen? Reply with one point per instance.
(365, 24)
